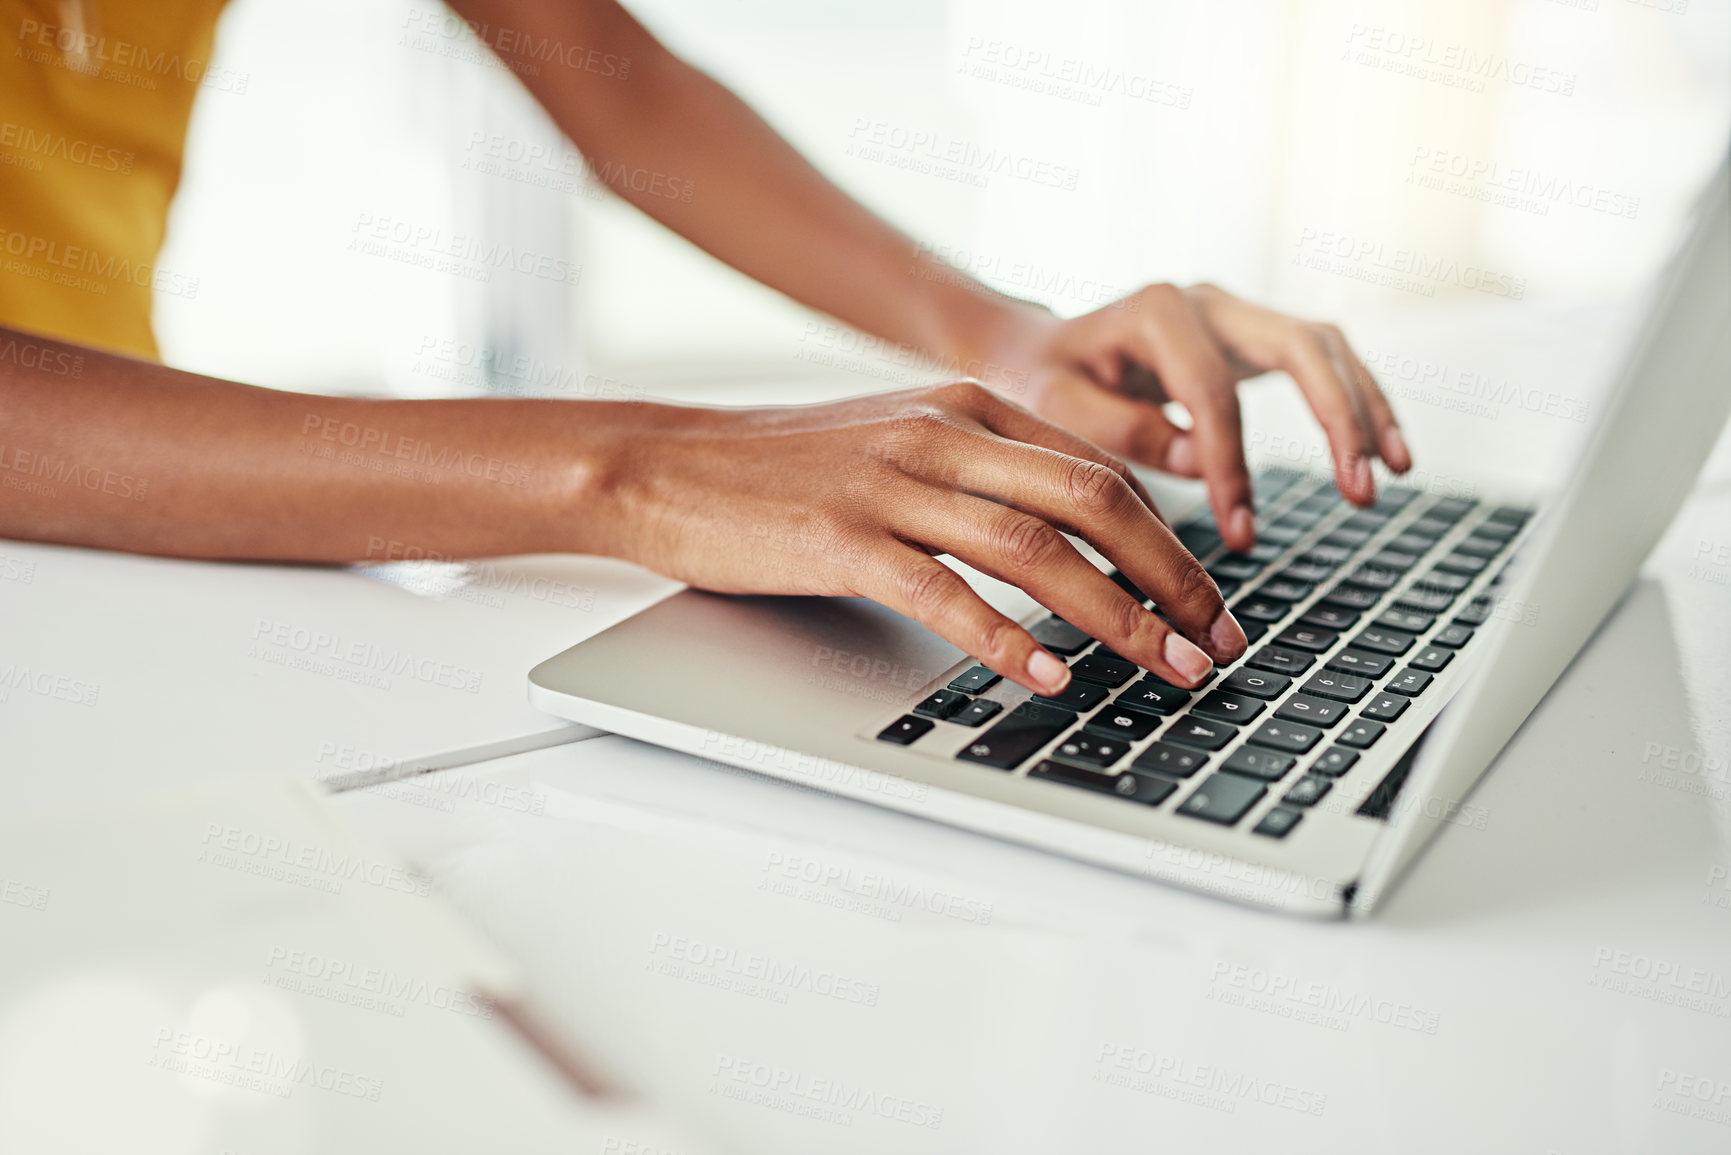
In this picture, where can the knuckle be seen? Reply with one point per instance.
(1093, 488)
(1027, 542)
(965, 394)
(1000, 639)
(1192, 588)
(926, 587)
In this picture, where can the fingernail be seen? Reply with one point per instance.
(1181, 456)
(1227, 636)
(1394, 450)
(1242, 525)
(1189, 661)
(1361, 482)
(1047, 672)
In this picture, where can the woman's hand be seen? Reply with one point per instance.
(1106, 375)
(854, 498)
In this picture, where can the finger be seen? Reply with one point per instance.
(1030, 554)
(1389, 442)
(1311, 362)
(916, 585)
(1168, 335)
(1096, 503)
(1127, 426)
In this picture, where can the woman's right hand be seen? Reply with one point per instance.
(853, 498)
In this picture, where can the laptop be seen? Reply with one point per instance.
(1394, 651)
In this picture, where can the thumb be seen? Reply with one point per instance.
(1133, 429)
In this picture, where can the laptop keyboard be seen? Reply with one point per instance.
(1350, 615)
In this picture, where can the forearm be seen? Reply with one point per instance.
(752, 200)
(139, 457)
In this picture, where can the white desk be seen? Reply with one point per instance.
(1487, 1008)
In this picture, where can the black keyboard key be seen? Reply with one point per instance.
(1424, 600)
(1128, 725)
(1257, 609)
(1374, 577)
(1335, 761)
(1198, 538)
(1299, 518)
(1234, 708)
(1079, 696)
(1413, 543)
(1265, 551)
(1091, 749)
(1362, 733)
(1326, 555)
(1475, 613)
(941, 705)
(1454, 636)
(905, 729)
(1486, 547)
(1148, 789)
(1431, 527)
(1303, 708)
(1174, 761)
(1253, 631)
(1307, 638)
(1328, 616)
(977, 712)
(1276, 660)
(1307, 791)
(1341, 687)
(975, 680)
(1022, 731)
(1319, 502)
(1443, 580)
(1263, 765)
(1412, 621)
(1393, 559)
(1154, 695)
(1059, 636)
(1385, 707)
(1362, 663)
(1291, 737)
(1452, 508)
(1409, 682)
(1234, 567)
(1202, 733)
(1462, 563)
(1496, 530)
(1432, 658)
(1278, 823)
(1108, 671)
(1257, 683)
(1282, 590)
(1510, 514)
(1383, 641)
(1280, 534)
(1305, 573)
(1368, 520)
(1223, 798)
(1347, 539)
(1395, 497)
(1352, 597)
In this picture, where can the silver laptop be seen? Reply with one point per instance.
(1307, 775)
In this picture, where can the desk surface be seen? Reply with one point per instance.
(788, 971)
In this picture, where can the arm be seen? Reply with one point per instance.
(630, 105)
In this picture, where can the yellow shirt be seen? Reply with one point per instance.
(95, 96)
